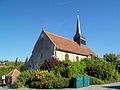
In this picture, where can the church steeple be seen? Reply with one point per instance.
(78, 29)
(78, 38)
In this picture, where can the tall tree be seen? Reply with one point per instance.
(26, 60)
(110, 57)
(16, 62)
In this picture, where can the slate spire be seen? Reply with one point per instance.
(78, 38)
(78, 29)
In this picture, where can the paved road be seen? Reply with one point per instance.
(112, 86)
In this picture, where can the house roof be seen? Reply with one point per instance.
(67, 45)
(15, 72)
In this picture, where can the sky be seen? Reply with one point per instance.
(21, 22)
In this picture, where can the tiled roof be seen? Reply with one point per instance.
(15, 72)
(67, 45)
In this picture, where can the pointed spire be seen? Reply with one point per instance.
(78, 29)
(78, 38)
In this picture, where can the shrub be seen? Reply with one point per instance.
(63, 69)
(68, 69)
(99, 69)
(49, 64)
(45, 79)
(22, 79)
(95, 81)
(110, 57)
(25, 76)
(17, 84)
(61, 82)
(78, 68)
(4, 70)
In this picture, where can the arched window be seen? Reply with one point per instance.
(66, 57)
(77, 59)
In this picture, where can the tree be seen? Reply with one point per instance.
(23, 66)
(118, 57)
(49, 64)
(110, 57)
(26, 60)
(16, 62)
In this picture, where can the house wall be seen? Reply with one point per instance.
(72, 57)
(43, 50)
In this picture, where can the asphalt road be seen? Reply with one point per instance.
(112, 86)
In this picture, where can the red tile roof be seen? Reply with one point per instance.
(64, 44)
(15, 72)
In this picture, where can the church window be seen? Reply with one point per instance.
(77, 59)
(66, 57)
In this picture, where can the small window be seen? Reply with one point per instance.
(66, 57)
(77, 59)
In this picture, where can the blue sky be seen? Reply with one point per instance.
(21, 22)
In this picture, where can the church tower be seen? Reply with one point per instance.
(78, 38)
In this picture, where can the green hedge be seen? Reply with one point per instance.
(95, 81)
(4, 70)
(41, 79)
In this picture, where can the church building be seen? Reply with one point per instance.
(50, 45)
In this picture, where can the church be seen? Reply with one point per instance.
(50, 45)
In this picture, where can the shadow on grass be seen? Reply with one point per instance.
(112, 87)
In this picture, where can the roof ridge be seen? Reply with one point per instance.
(12, 72)
(63, 37)
(9, 73)
(60, 36)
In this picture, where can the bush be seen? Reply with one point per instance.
(49, 64)
(45, 79)
(110, 57)
(99, 69)
(78, 68)
(18, 84)
(22, 79)
(4, 70)
(63, 69)
(61, 83)
(95, 81)
(25, 76)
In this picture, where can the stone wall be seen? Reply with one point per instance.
(43, 50)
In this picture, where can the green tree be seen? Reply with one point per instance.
(118, 57)
(26, 60)
(49, 64)
(16, 62)
(110, 57)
